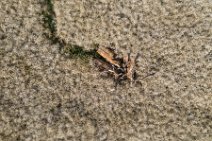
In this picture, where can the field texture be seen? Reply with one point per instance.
(50, 90)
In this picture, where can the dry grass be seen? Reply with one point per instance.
(45, 95)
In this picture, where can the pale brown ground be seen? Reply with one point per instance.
(46, 96)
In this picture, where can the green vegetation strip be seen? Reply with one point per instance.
(73, 51)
